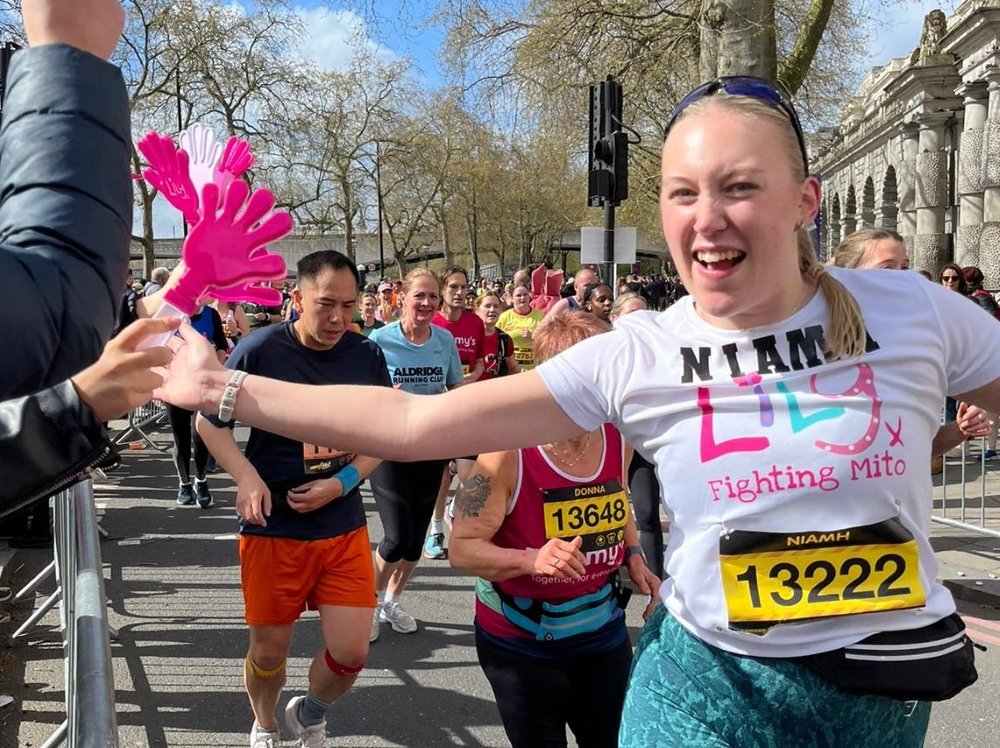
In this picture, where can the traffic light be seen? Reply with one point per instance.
(608, 157)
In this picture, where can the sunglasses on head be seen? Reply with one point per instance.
(745, 85)
(947, 278)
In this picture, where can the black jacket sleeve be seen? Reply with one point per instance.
(47, 442)
(65, 214)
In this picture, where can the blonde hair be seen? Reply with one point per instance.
(622, 300)
(412, 276)
(487, 295)
(558, 332)
(368, 295)
(845, 335)
(853, 250)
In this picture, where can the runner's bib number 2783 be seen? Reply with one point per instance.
(771, 578)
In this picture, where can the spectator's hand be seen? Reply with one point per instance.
(561, 559)
(314, 494)
(973, 421)
(194, 358)
(93, 26)
(122, 378)
(253, 499)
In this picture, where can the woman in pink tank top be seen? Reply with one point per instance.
(546, 529)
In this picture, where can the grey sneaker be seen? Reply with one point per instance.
(313, 736)
(402, 622)
(376, 622)
(202, 493)
(449, 513)
(185, 495)
(261, 738)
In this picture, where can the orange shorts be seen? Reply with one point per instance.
(282, 577)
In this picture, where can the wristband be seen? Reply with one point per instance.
(634, 550)
(349, 478)
(228, 402)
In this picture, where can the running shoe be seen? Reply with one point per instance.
(202, 493)
(260, 738)
(402, 622)
(376, 622)
(185, 495)
(312, 736)
(434, 547)
(989, 454)
(449, 512)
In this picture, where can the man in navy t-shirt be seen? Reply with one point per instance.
(303, 535)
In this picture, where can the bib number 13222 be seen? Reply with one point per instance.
(770, 578)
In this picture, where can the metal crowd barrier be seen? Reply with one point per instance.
(143, 419)
(89, 684)
(969, 494)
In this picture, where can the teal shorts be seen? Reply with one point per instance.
(684, 692)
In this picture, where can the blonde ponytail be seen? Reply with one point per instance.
(845, 331)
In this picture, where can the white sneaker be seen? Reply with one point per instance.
(261, 738)
(376, 622)
(313, 736)
(449, 513)
(402, 622)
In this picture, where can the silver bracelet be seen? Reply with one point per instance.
(228, 403)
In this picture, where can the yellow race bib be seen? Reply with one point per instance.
(771, 578)
(598, 513)
(316, 459)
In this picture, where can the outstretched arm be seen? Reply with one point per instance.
(520, 410)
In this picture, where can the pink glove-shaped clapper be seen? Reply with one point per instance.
(236, 159)
(168, 173)
(263, 295)
(204, 153)
(227, 247)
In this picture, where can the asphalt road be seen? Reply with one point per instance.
(173, 587)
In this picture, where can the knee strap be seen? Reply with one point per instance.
(263, 674)
(342, 670)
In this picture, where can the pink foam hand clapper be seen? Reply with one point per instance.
(203, 152)
(226, 251)
(236, 160)
(168, 172)
(263, 295)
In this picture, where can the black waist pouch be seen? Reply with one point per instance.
(932, 663)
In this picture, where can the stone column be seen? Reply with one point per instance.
(932, 246)
(989, 242)
(906, 172)
(969, 182)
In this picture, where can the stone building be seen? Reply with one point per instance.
(918, 149)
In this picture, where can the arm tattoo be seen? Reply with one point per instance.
(472, 495)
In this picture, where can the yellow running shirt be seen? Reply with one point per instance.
(520, 327)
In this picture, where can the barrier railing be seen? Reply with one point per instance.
(969, 494)
(141, 420)
(89, 685)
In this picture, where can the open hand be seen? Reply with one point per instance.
(168, 172)
(122, 378)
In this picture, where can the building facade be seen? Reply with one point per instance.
(918, 149)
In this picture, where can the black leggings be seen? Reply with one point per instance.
(405, 493)
(645, 491)
(182, 424)
(538, 698)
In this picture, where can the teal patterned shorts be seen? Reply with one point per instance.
(683, 692)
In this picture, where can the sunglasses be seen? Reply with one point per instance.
(745, 85)
(949, 278)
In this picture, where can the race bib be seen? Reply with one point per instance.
(598, 513)
(524, 356)
(771, 578)
(316, 459)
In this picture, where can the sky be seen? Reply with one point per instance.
(396, 31)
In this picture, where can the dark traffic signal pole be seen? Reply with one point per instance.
(607, 183)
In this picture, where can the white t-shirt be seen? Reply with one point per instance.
(754, 431)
